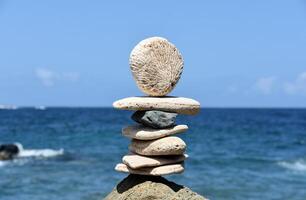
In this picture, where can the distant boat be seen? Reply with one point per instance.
(40, 107)
(8, 107)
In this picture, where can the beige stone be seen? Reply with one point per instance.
(135, 161)
(141, 132)
(152, 171)
(156, 66)
(179, 105)
(165, 146)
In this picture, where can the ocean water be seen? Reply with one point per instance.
(235, 154)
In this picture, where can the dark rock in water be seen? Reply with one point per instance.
(149, 188)
(8, 151)
(155, 119)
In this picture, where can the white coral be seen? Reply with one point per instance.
(156, 65)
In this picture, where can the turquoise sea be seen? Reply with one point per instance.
(235, 154)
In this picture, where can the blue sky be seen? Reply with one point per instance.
(75, 53)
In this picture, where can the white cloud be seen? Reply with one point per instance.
(265, 85)
(298, 86)
(49, 77)
(271, 85)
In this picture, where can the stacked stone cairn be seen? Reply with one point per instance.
(156, 65)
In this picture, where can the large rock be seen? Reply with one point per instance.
(161, 147)
(137, 187)
(179, 105)
(155, 119)
(8, 151)
(140, 132)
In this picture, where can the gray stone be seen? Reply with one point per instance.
(151, 188)
(155, 119)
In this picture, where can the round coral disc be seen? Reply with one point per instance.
(156, 65)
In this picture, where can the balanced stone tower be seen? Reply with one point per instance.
(155, 151)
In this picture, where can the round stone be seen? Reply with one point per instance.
(140, 132)
(165, 146)
(156, 66)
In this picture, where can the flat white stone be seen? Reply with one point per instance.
(152, 171)
(164, 146)
(179, 105)
(141, 132)
(135, 161)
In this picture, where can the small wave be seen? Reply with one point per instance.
(38, 152)
(26, 155)
(299, 165)
(40, 108)
(3, 163)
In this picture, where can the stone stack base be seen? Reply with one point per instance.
(138, 187)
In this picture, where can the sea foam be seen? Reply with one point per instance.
(3, 163)
(26, 155)
(298, 165)
(38, 152)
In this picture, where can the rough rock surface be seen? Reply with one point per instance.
(165, 146)
(138, 187)
(141, 132)
(179, 105)
(156, 65)
(155, 119)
